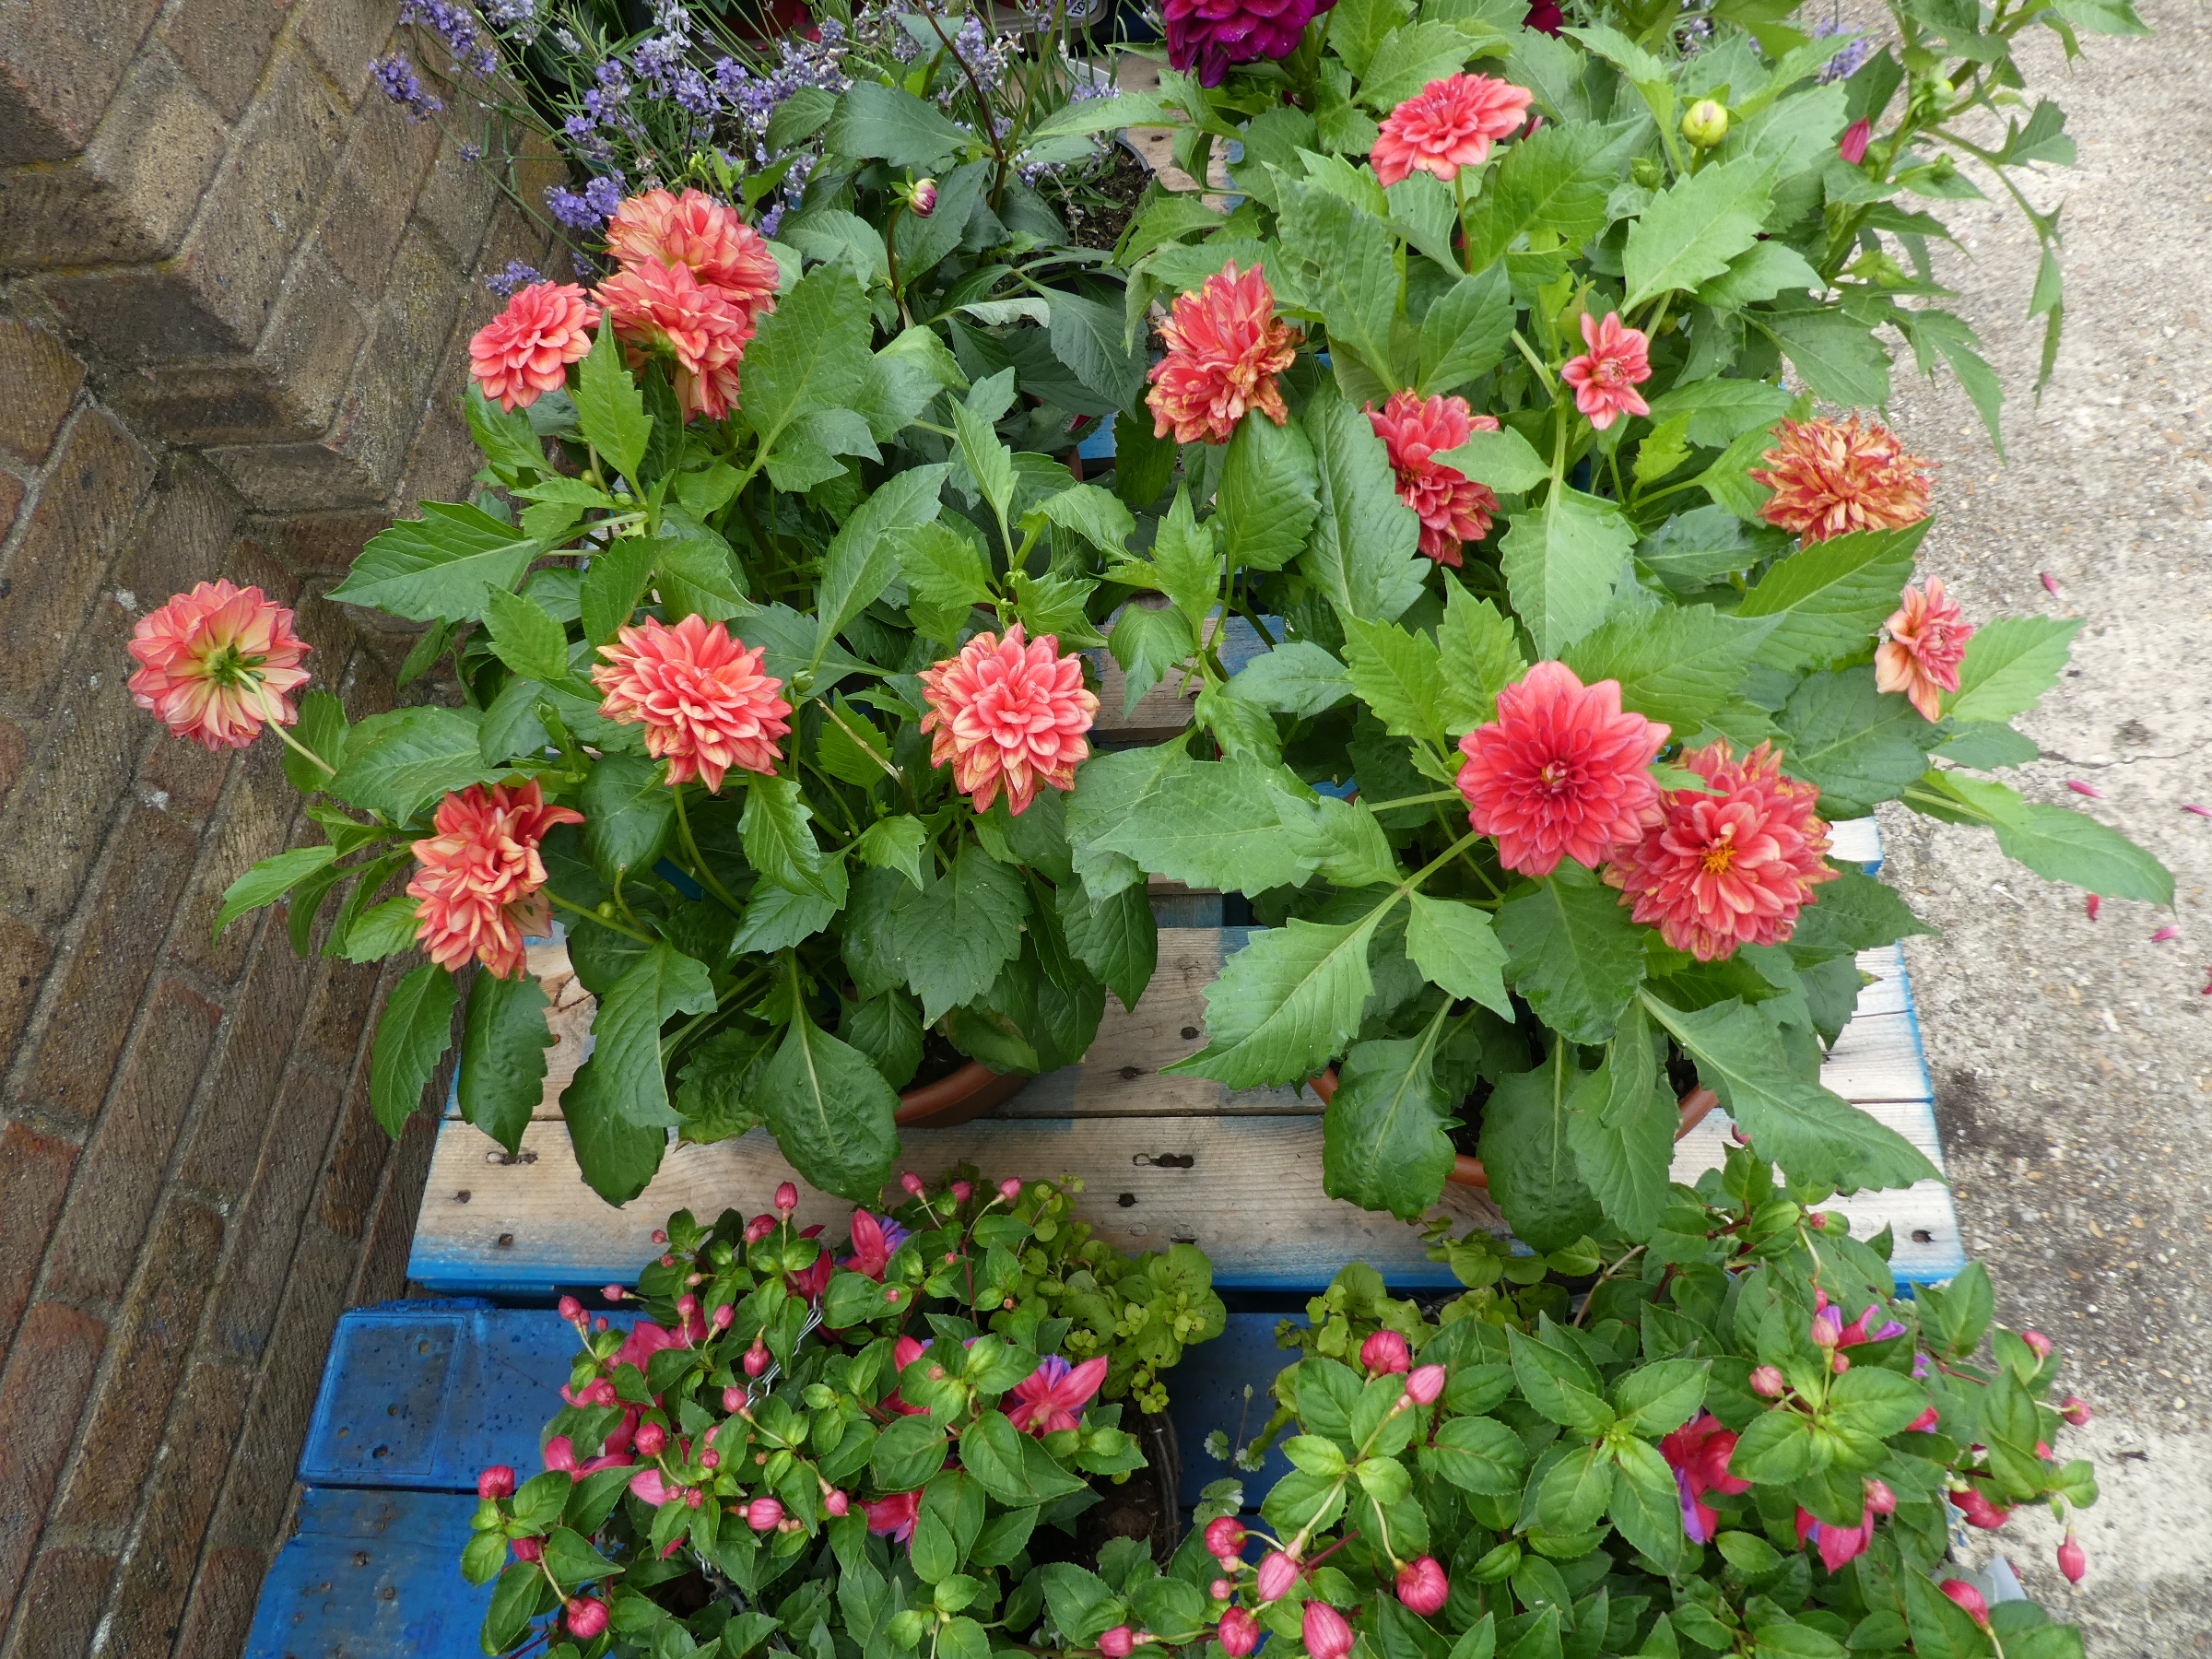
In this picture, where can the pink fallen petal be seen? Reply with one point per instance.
(2200, 811)
(2050, 582)
(2078, 787)
(2207, 990)
(2092, 905)
(2165, 933)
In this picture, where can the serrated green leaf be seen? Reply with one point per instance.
(1114, 936)
(1573, 952)
(411, 1037)
(1384, 1141)
(964, 927)
(615, 586)
(894, 843)
(1839, 360)
(1297, 678)
(1365, 551)
(1269, 496)
(778, 834)
(832, 1113)
(504, 1056)
(1691, 230)
(1456, 947)
(660, 983)
(1480, 655)
(1398, 675)
(2010, 663)
(1675, 665)
(268, 881)
(399, 761)
(438, 567)
(1467, 331)
(1210, 824)
(1560, 564)
(609, 408)
(374, 934)
(812, 351)
(1831, 596)
(1535, 1177)
(1285, 1004)
(1407, 59)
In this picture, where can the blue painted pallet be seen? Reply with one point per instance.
(371, 1574)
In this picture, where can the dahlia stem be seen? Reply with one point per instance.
(293, 743)
(585, 911)
(699, 862)
(1551, 386)
(1420, 800)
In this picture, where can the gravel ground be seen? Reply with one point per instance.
(2072, 1058)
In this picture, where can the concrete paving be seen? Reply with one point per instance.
(2073, 1058)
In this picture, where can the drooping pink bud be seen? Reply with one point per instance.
(652, 1440)
(2050, 582)
(1425, 1383)
(924, 198)
(1386, 1351)
(2037, 1344)
(756, 1358)
(1118, 1643)
(2165, 933)
(1768, 1383)
(1925, 1422)
(835, 1502)
(571, 1309)
(2043, 1449)
(2074, 1409)
(1423, 1587)
(962, 1190)
(495, 1480)
(1967, 1596)
(2080, 788)
(724, 1315)
(1278, 1573)
(758, 1227)
(613, 1292)
(1009, 1190)
(1827, 1328)
(912, 1184)
(787, 1197)
(1238, 1633)
(2073, 1561)
(1880, 1498)
(1326, 1634)
(1225, 1536)
(687, 1305)
(587, 1617)
(763, 1515)
(2091, 905)
(1851, 147)
(1975, 1505)
(529, 1549)
(1222, 1589)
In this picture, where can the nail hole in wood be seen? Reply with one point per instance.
(1127, 1200)
(1130, 1074)
(1921, 1235)
(1190, 1033)
(461, 1196)
(1170, 1161)
(506, 1240)
(360, 1556)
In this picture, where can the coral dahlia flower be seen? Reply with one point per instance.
(1008, 715)
(1606, 377)
(1730, 868)
(1448, 124)
(1830, 476)
(1225, 347)
(1926, 643)
(526, 351)
(700, 693)
(1453, 508)
(478, 890)
(1211, 35)
(1562, 772)
(695, 230)
(215, 664)
(705, 330)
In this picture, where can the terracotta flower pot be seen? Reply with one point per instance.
(1466, 1169)
(957, 1096)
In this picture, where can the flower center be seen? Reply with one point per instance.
(1720, 857)
(1556, 778)
(231, 668)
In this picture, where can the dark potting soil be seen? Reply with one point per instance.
(1099, 209)
(939, 1060)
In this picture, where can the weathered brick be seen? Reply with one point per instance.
(223, 1602)
(61, 1602)
(346, 36)
(41, 377)
(147, 1613)
(346, 1200)
(223, 45)
(384, 1270)
(59, 67)
(322, 544)
(225, 1142)
(12, 491)
(254, 822)
(445, 457)
(83, 509)
(153, 1343)
(266, 1227)
(340, 1016)
(24, 953)
(68, 1072)
(42, 1395)
(455, 203)
(365, 213)
(130, 197)
(14, 746)
(118, 1180)
(34, 1174)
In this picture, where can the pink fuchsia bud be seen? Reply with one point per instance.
(659, 1235)
(1423, 1587)
(1967, 1596)
(587, 1617)
(1238, 1633)
(2164, 935)
(835, 1502)
(2043, 1449)
(911, 1182)
(668, 1261)
(2050, 582)
(1278, 1573)
(693, 1497)
(529, 1549)
(599, 1324)
(1221, 1590)
(1225, 1536)
(756, 1358)
(763, 1515)
(735, 1400)
(1767, 1382)
(710, 1459)
(2074, 1409)
(1840, 1364)
(758, 1227)
(1851, 147)
(652, 1440)
(560, 1454)
(1118, 1643)
(1326, 1634)
(962, 1190)
(1974, 1504)
(1827, 1328)
(925, 197)
(2037, 1344)
(1925, 1422)
(1010, 1191)
(1386, 1351)
(2091, 905)
(2073, 1561)
(724, 1315)
(496, 1480)
(571, 1309)
(1880, 1498)
(787, 1197)
(687, 1305)
(1425, 1383)
(613, 1292)
(2080, 788)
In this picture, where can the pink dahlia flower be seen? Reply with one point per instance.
(526, 349)
(1562, 772)
(1008, 715)
(695, 230)
(1211, 35)
(1730, 868)
(478, 892)
(1926, 643)
(700, 692)
(1225, 347)
(215, 665)
(1448, 124)
(1606, 377)
(1830, 476)
(701, 330)
(1452, 507)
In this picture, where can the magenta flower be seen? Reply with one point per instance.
(874, 1242)
(894, 1516)
(1837, 1544)
(1053, 1393)
(1211, 35)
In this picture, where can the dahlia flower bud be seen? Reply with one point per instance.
(1225, 1536)
(962, 1190)
(763, 1515)
(835, 1502)
(2073, 1561)
(652, 1440)
(1238, 1633)
(1880, 1498)
(496, 1480)
(1386, 1351)
(755, 1359)
(1425, 1383)
(1326, 1634)
(1118, 1643)
(571, 1309)
(1706, 123)
(587, 1617)
(1423, 1587)
(2074, 1409)
(1851, 147)
(1767, 1382)
(1009, 1190)
(1968, 1597)
(922, 201)
(2037, 1344)
(529, 1549)
(735, 1400)
(1278, 1573)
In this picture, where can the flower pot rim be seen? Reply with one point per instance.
(960, 1095)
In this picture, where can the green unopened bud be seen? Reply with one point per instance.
(1647, 173)
(1707, 122)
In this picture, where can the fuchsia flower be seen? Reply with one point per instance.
(1562, 772)
(650, 1486)
(215, 664)
(1699, 1454)
(1118, 1643)
(1008, 715)
(1238, 1633)
(1225, 347)
(586, 1615)
(873, 1242)
(1211, 35)
(1278, 1572)
(1425, 1384)
(480, 891)
(1448, 124)
(894, 1516)
(1926, 643)
(1225, 1536)
(1054, 1393)
(1386, 1351)
(525, 352)
(700, 692)
(1606, 377)
(1452, 507)
(1830, 476)
(1423, 1587)
(2073, 1561)
(1968, 1597)
(496, 1480)
(1837, 1544)
(1326, 1634)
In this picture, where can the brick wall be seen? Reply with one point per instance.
(235, 292)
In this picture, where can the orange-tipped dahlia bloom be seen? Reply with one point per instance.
(1008, 715)
(478, 890)
(1926, 643)
(700, 692)
(1448, 124)
(1225, 347)
(1562, 772)
(1453, 508)
(1830, 476)
(1727, 869)
(703, 330)
(1606, 377)
(695, 230)
(215, 665)
(526, 351)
